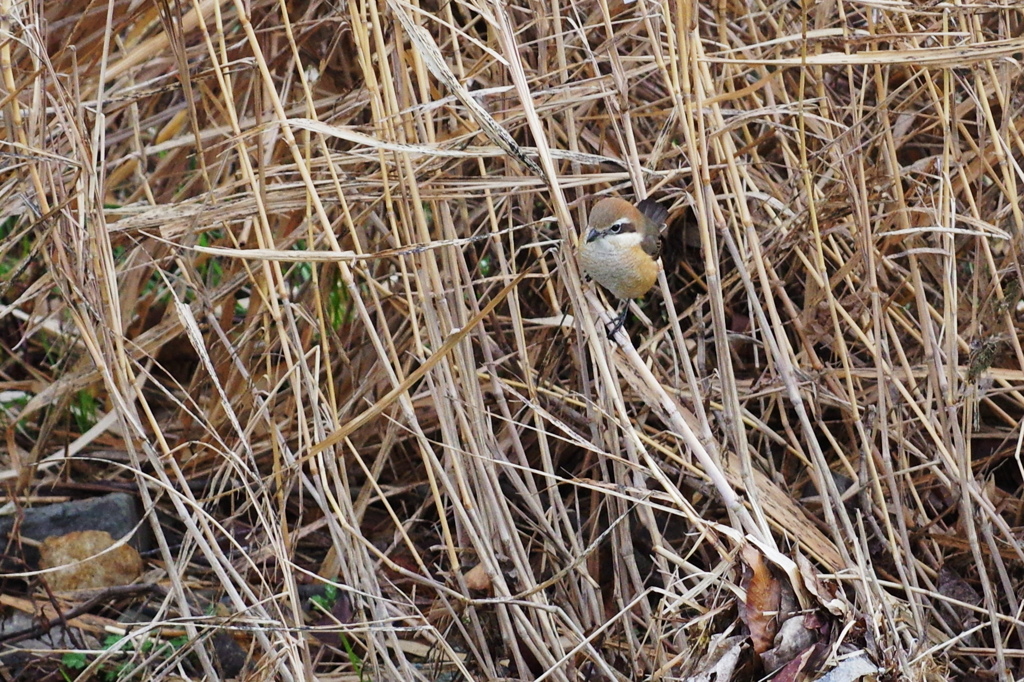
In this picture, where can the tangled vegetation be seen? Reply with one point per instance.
(300, 276)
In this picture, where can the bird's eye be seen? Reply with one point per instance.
(615, 228)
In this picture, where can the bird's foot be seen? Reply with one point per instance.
(620, 320)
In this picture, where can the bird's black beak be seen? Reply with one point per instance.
(592, 234)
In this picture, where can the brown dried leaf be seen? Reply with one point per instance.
(477, 579)
(764, 595)
(795, 667)
(795, 637)
(826, 594)
(723, 662)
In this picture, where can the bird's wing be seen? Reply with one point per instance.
(655, 214)
(651, 244)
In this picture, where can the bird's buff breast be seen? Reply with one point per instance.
(619, 265)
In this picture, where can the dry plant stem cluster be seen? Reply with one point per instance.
(315, 264)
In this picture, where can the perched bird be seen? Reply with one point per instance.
(620, 249)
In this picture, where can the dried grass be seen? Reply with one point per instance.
(314, 262)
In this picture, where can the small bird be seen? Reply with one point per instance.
(621, 247)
